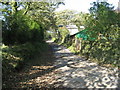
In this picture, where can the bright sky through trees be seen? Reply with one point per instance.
(82, 5)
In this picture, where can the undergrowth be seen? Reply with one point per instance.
(103, 52)
(15, 57)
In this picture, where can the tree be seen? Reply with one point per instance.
(103, 20)
(30, 21)
(79, 19)
(103, 15)
(64, 17)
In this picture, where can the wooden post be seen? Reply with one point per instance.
(80, 47)
(78, 43)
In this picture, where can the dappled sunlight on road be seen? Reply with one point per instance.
(75, 72)
(68, 71)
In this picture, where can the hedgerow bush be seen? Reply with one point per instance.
(105, 49)
(15, 57)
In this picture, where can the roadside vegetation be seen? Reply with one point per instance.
(27, 25)
(103, 33)
(24, 28)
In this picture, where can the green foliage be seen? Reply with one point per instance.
(29, 23)
(64, 17)
(103, 24)
(63, 31)
(15, 57)
(79, 19)
(103, 20)
(63, 34)
(21, 29)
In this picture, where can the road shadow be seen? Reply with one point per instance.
(70, 72)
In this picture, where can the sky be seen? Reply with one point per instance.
(82, 5)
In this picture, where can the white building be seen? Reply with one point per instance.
(73, 29)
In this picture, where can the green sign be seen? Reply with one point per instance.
(83, 34)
